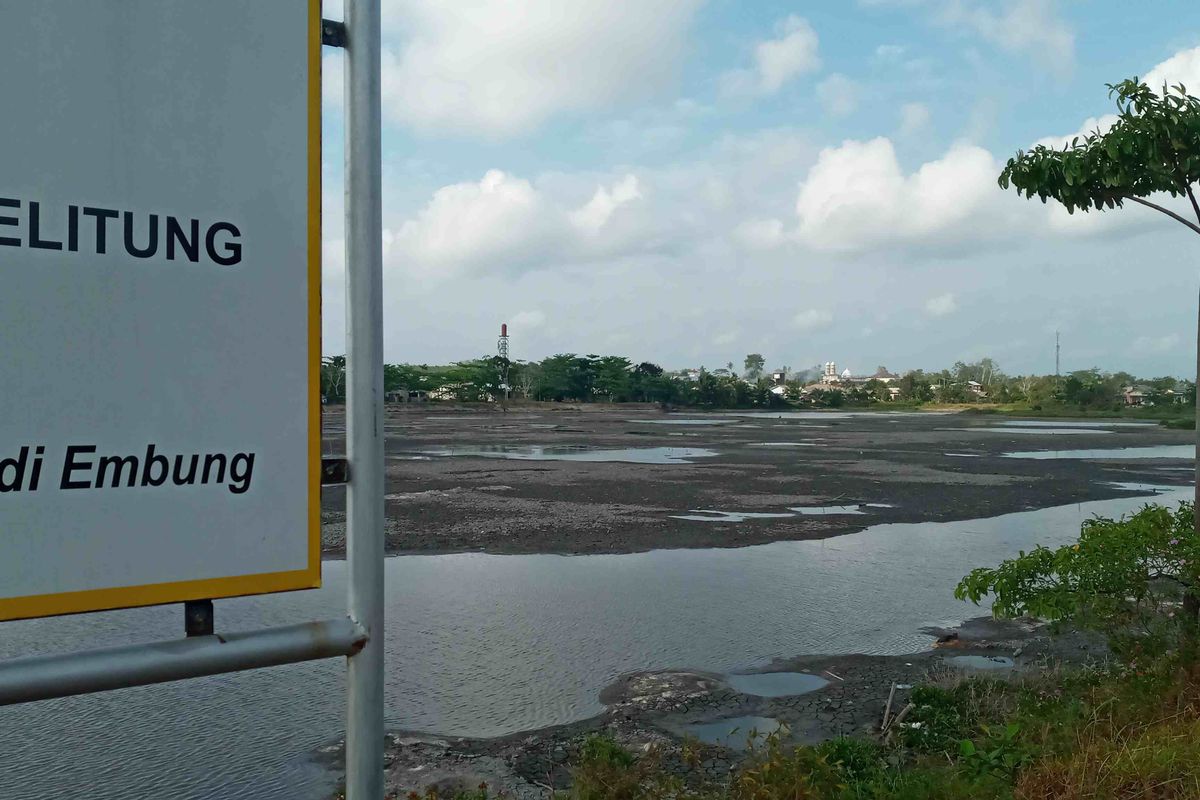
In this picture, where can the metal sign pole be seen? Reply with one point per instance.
(364, 400)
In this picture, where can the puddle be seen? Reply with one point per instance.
(1100, 423)
(1141, 488)
(702, 515)
(681, 421)
(982, 662)
(708, 515)
(735, 732)
(1041, 431)
(630, 455)
(828, 511)
(776, 684)
(1159, 451)
(784, 444)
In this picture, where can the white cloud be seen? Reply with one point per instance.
(1025, 26)
(527, 321)
(813, 319)
(1090, 125)
(793, 52)
(838, 95)
(941, 305)
(1021, 26)
(914, 118)
(1183, 67)
(502, 68)
(857, 197)
(501, 221)
(504, 224)
(593, 216)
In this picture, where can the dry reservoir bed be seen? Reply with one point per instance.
(615, 479)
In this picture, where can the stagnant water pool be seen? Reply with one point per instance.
(484, 645)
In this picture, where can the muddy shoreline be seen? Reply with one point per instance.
(912, 467)
(656, 710)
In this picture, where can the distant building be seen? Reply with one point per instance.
(1136, 395)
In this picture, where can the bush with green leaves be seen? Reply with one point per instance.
(1122, 576)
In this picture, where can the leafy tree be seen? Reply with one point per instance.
(333, 377)
(753, 366)
(1117, 575)
(613, 379)
(1152, 148)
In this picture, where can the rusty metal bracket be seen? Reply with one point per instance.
(333, 33)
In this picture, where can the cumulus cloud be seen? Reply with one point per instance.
(814, 319)
(502, 68)
(1183, 67)
(504, 224)
(941, 305)
(838, 95)
(857, 196)
(793, 52)
(592, 217)
(465, 226)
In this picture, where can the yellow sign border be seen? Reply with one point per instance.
(48, 605)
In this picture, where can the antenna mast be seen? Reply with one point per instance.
(502, 352)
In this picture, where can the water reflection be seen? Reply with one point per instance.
(485, 644)
(1159, 451)
(631, 455)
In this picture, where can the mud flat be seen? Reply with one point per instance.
(616, 479)
(716, 715)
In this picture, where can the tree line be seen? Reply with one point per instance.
(569, 377)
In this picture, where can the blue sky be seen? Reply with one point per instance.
(686, 182)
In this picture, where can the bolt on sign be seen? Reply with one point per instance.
(159, 302)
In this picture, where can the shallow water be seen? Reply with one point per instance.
(1099, 423)
(701, 515)
(776, 684)
(785, 444)
(735, 732)
(1036, 431)
(981, 662)
(485, 644)
(828, 511)
(682, 421)
(1159, 451)
(630, 455)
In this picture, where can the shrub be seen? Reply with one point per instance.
(1116, 578)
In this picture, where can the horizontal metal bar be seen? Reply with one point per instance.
(43, 677)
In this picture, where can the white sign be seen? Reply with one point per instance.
(159, 301)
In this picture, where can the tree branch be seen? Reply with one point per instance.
(1167, 211)
(1192, 197)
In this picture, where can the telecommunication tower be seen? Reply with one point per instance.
(502, 353)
